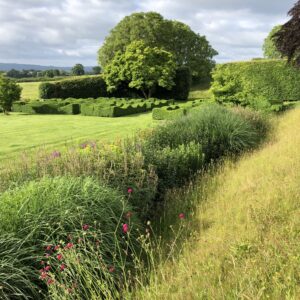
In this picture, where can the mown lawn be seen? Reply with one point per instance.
(244, 228)
(23, 132)
(30, 90)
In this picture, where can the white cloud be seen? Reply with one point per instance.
(64, 32)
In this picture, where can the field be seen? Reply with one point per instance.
(30, 90)
(23, 132)
(244, 228)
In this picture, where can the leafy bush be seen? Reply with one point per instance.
(176, 166)
(86, 87)
(168, 113)
(260, 84)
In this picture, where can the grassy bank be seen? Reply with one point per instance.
(244, 231)
(25, 132)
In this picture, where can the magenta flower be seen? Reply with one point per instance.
(56, 154)
(181, 216)
(85, 227)
(47, 268)
(129, 191)
(125, 228)
(59, 257)
(69, 246)
(62, 267)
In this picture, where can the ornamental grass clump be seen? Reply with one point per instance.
(55, 216)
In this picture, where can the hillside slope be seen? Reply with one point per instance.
(246, 232)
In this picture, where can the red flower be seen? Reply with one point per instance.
(50, 281)
(69, 246)
(56, 247)
(111, 269)
(62, 267)
(129, 215)
(129, 190)
(181, 216)
(125, 228)
(48, 248)
(46, 269)
(59, 257)
(85, 227)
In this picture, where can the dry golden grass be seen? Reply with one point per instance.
(245, 229)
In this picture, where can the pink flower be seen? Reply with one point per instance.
(85, 227)
(48, 248)
(46, 269)
(129, 191)
(129, 215)
(43, 276)
(62, 267)
(111, 269)
(50, 281)
(59, 257)
(125, 228)
(69, 246)
(181, 216)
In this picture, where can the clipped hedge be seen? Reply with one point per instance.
(87, 87)
(260, 84)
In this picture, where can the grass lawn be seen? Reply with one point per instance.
(30, 90)
(23, 132)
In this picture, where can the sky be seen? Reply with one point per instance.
(65, 32)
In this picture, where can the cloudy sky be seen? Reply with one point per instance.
(65, 32)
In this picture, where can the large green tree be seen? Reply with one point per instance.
(78, 70)
(10, 91)
(287, 39)
(188, 48)
(142, 68)
(269, 47)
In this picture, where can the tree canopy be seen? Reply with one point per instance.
(78, 70)
(188, 48)
(269, 47)
(9, 92)
(142, 67)
(287, 39)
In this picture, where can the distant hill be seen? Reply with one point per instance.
(20, 67)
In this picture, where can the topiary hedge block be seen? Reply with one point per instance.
(168, 113)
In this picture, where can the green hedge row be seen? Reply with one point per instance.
(174, 111)
(95, 87)
(101, 107)
(86, 87)
(260, 84)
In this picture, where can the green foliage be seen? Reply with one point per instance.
(175, 166)
(168, 113)
(259, 84)
(53, 211)
(269, 47)
(143, 67)
(181, 88)
(93, 87)
(217, 129)
(9, 92)
(78, 70)
(188, 48)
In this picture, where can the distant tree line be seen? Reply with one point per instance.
(77, 70)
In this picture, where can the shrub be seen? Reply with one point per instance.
(176, 166)
(248, 83)
(88, 87)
